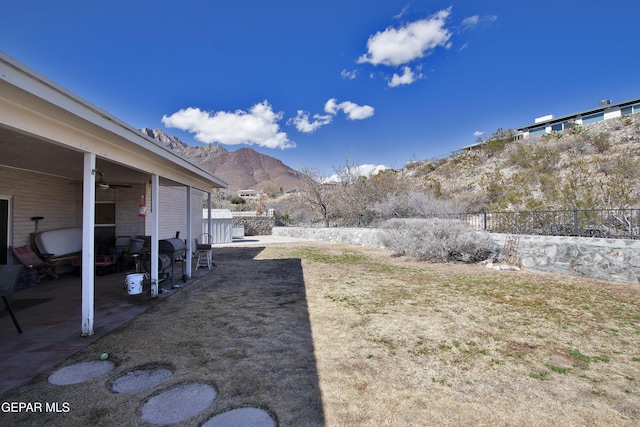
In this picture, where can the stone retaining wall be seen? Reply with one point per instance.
(347, 236)
(606, 259)
(254, 225)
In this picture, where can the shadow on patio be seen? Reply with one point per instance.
(50, 317)
(244, 329)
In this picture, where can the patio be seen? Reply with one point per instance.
(50, 314)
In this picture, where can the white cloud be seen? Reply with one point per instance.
(478, 133)
(399, 46)
(368, 170)
(349, 74)
(402, 12)
(257, 126)
(362, 170)
(352, 110)
(406, 78)
(470, 22)
(302, 123)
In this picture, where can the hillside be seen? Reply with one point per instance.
(243, 169)
(590, 167)
(586, 167)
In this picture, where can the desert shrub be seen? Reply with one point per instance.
(520, 156)
(435, 239)
(548, 155)
(601, 141)
(414, 204)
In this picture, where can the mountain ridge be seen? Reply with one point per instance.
(243, 169)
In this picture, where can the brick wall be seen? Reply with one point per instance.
(173, 212)
(59, 201)
(34, 194)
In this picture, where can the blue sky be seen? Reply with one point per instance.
(313, 83)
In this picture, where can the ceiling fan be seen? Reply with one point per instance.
(101, 184)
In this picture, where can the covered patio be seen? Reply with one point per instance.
(63, 160)
(48, 315)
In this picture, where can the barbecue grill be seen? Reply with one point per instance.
(175, 249)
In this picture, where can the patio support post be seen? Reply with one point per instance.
(155, 202)
(187, 256)
(209, 214)
(88, 234)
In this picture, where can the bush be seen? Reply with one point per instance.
(436, 239)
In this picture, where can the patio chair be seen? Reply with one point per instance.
(30, 260)
(102, 263)
(8, 278)
(204, 246)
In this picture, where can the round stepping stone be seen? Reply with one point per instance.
(178, 403)
(81, 372)
(139, 380)
(242, 417)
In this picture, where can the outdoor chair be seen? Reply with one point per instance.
(102, 263)
(30, 260)
(122, 251)
(8, 278)
(204, 246)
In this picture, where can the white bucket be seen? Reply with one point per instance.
(134, 283)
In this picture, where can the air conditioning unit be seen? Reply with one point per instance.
(605, 102)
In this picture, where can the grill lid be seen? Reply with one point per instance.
(171, 247)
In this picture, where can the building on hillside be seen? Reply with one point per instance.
(549, 123)
(249, 195)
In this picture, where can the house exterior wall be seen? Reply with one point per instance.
(608, 112)
(173, 211)
(34, 194)
(128, 223)
(59, 202)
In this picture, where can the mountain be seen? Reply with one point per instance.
(195, 154)
(243, 169)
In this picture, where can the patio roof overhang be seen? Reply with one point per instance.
(47, 129)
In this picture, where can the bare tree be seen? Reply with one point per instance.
(317, 194)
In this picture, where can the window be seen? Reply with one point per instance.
(538, 131)
(105, 213)
(105, 230)
(593, 118)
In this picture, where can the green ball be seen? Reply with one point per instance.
(104, 356)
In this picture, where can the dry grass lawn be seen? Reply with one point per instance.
(321, 334)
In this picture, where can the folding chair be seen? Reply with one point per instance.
(30, 260)
(8, 278)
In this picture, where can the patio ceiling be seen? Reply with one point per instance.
(27, 152)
